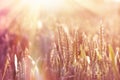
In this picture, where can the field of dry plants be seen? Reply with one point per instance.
(59, 40)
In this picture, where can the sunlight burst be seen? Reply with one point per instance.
(46, 4)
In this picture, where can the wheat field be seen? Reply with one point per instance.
(59, 40)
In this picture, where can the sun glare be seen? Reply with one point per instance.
(46, 4)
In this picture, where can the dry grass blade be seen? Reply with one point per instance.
(112, 58)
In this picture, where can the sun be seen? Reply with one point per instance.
(31, 11)
(46, 4)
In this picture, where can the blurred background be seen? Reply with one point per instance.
(38, 19)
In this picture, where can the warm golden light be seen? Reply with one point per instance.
(59, 39)
(46, 4)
